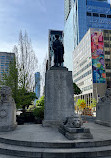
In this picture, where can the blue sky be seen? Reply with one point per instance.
(34, 16)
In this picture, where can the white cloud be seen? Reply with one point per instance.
(6, 46)
(41, 50)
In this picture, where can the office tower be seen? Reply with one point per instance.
(5, 59)
(52, 38)
(79, 17)
(67, 9)
(92, 64)
(37, 84)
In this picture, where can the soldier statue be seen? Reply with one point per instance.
(58, 51)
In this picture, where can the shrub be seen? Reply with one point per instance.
(39, 112)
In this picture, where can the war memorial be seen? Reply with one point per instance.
(62, 133)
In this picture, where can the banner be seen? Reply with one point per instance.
(97, 51)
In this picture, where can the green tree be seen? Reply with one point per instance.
(94, 102)
(25, 98)
(40, 102)
(21, 96)
(11, 78)
(77, 90)
(39, 110)
(81, 104)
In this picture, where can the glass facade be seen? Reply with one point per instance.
(84, 14)
(5, 59)
(37, 84)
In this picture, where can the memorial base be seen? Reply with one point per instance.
(75, 133)
(8, 128)
(50, 123)
(108, 124)
(59, 96)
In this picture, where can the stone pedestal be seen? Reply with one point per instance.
(103, 109)
(7, 110)
(59, 96)
(75, 133)
(72, 129)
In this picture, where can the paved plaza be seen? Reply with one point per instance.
(37, 133)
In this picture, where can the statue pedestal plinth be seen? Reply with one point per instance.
(59, 96)
(103, 109)
(7, 110)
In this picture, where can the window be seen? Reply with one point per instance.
(105, 31)
(106, 44)
(108, 16)
(108, 74)
(96, 14)
(107, 52)
(106, 38)
(107, 56)
(103, 15)
(88, 14)
(108, 70)
(106, 60)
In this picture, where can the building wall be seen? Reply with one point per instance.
(89, 71)
(5, 59)
(107, 51)
(67, 9)
(69, 41)
(84, 14)
(82, 68)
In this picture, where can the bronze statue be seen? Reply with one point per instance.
(58, 52)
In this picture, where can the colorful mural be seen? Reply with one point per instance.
(97, 50)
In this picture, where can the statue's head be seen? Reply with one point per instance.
(57, 36)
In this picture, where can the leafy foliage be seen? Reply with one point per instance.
(39, 110)
(11, 79)
(21, 96)
(25, 98)
(94, 102)
(77, 90)
(40, 102)
(81, 103)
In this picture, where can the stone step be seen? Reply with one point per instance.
(7, 156)
(65, 144)
(28, 152)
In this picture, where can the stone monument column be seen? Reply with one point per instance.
(7, 110)
(59, 96)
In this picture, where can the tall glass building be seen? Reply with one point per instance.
(37, 84)
(80, 15)
(5, 59)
